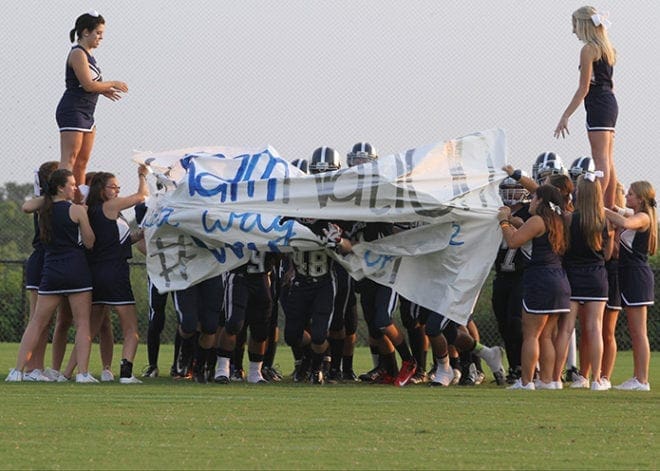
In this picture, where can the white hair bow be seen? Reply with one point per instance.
(37, 185)
(601, 19)
(591, 176)
(95, 14)
(554, 207)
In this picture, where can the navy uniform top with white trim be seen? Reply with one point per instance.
(634, 248)
(113, 237)
(74, 90)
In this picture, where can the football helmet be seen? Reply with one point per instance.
(361, 153)
(512, 192)
(581, 165)
(324, 159)
(546, 164)
(301, 164)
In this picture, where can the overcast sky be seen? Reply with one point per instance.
(300, 74)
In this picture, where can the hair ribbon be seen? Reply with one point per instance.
(600, 19)
(37, 186)
(554, 207)
(591, 176)
(95, 14)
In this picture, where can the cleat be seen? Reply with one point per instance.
(469, 376)
(518, 385)
(317, 378)
(349, 375)
(419, 377)
(107, 376)
(370, 375)
(480, 377)
(633, 384)
(571, 374)
(150, 371)
(300, 373)
(199, 377)
(36, 375)
(408, 368)
(457, 377)
(385, 378)
(256, 378)
(129, 380)
(271, 374)
(14, 376)
(86, 378)
(237, 376)
(333, 376)
(514, 374)
(221, 379)
(443, 375)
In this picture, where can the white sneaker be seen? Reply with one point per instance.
(518, 385)
(606, 382)
(130, 380)
(558, 384)
(14, 376)
(86, 378)
(52, 374)
(633, 384)
(579, 382)
(598, 386)
(107, 376)
(443, 374)
(538, 384)
(36, 375)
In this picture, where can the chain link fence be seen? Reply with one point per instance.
(301, 74)
(14, 304)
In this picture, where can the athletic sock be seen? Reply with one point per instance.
(389, 363)
(153, 346)
(317, 360)
(375, 356)
(347, 363)
(404, 351)
(336, 349)
(222, 367)
(125, 369)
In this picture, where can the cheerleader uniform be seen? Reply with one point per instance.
(35, 263)
(545, 285)
(635, 276)
(65, 268)
(75, 111)
(108, 260)
(600, 103)
(585, 267)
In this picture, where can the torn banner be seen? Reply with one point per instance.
(216, 205)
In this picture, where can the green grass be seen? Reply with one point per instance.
(164, 424)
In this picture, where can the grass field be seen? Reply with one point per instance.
(164, 424)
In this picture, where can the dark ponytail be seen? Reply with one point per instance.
(96, 187)
(86, 21)
(57, 180)
(551, 209)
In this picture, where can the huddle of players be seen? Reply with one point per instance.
(318, 298)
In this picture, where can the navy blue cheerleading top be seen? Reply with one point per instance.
(113, 237)
(633, 248)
